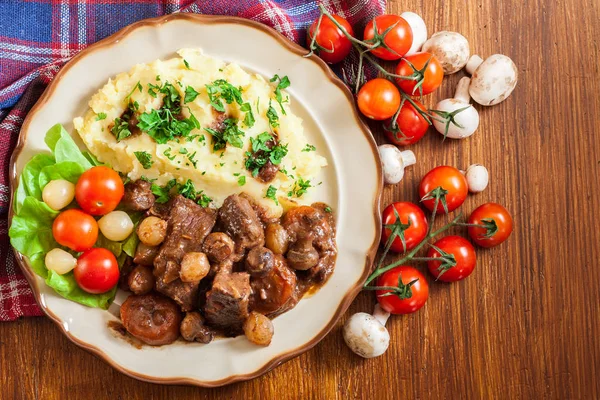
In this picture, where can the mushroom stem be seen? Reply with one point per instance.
(380, 314)
(462, 90)
(408, 157)
(474, 62)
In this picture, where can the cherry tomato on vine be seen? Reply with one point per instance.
(432, 75)
(331, 44)
(97, 271)
(497, 225)
(410, 123)
(450, 185)
(378, 99)
(99, 190)
(75, 229)
(397, 40)
(452, 270)
(411, 224)
(411, 293)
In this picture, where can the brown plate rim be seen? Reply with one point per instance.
(289, 45)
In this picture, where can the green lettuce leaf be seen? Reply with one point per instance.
(64, 148)
(66, 286)
(67, 170)
(31, 172)
(31, 230)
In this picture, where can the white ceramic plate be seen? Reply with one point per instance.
(351, 184)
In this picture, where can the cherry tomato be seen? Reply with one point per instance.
(432, 76)
(75, 229)
(97, 271)
(99, 190)
(410, 123)
(413, 234)
(494, 216)
(414, 297)
(453, 183)
(398, 40)
(464, 259)
(378, 99)
(333, 45)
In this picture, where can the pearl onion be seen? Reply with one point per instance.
(60, 261)
(58, 194)
(477, 178)
(116, 226)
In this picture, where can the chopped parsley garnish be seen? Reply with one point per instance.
(300, 187)
(241, 180)
(164, 124)
(100, 116)
(144, 158)
(223, 90)
(158, 77)
(188, 190)
(272, 194)
(221, 164)
(309, 147)
(137, 86)
(283, 83)
(260, 153)
(190, 94)
(327, 209)
(231, 134)
(121, 128)
(167, 154)
(163, 193)
(186, 64)
(249, 118)
(183, 150)
(272, 116)
(192, 158)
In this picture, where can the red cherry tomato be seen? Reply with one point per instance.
(464, 256)
(432, 77)
(333, 45)
(378, 99)
(398, 39)
(410, 123)
(413, 234)
(99, 190)
(97, 271)
(451, 181)
(413, 298)
(494, 216)
(75, 229)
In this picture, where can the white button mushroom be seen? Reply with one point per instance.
(450, 48)
(419, 31)
(366, 335)
(477, 178)
(493, 80)
(456, 118)
(393, 162)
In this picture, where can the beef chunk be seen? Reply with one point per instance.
(239, 220)
(145, 255)
(188, 226)
(227, 301)
(138, 196)
(268, 172)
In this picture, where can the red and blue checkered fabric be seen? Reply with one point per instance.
(38, 37)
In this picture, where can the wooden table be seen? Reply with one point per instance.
(524, 325)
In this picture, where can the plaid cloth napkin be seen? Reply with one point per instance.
(38, 37)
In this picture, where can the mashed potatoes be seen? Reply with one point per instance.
(218, 173)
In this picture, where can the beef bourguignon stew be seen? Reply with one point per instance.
(199, 272)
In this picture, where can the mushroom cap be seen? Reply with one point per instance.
(419, 31)
(391, 162)
(494, 80)
(477, 178)
(468, 119)
(366, 336)
(450, 48)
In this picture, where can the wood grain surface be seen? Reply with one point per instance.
(525, 325)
